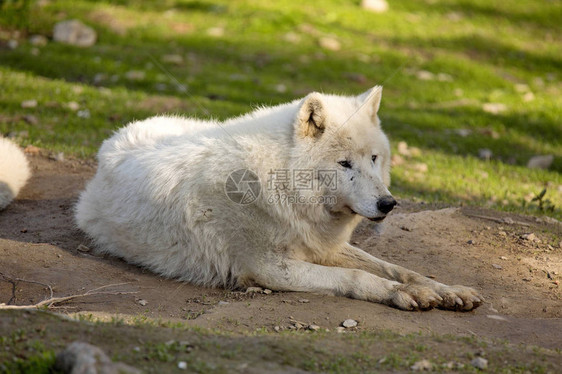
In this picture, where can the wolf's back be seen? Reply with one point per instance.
(14, 171)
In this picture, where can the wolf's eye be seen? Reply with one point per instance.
(374, 158)
(345, 164)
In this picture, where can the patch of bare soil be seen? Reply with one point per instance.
(518, 274)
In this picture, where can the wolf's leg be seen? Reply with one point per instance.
(452, 297)
(294, 275)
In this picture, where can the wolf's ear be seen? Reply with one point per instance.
(372, 100)
(311, 119)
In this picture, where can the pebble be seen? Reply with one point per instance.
(494, 108)
(254, 290)
(142, 302)
(32, 150)
(182, 365)
(73, 105)
(340, 329)
(496, 266)
(422, 365)
(38, 40)
(172, 59)
(471, 242)
(304, 301)
(82, 248)
(502, 233)
(267, 291)
(330, 44)
(485, 154)
(215, 31)
(313, 327)
(135, 75)
(540, 162)
(480, 363)
(349, 323)
(29, 104)
(57, 156)
(375, 6)
(75, 33)
(31, 119)
(277, 328)
(530, 237)
(503, 258)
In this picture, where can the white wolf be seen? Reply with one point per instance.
(159, 200)
(14, 171)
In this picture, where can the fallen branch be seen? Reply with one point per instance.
(51, 301)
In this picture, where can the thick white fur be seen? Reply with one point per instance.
(14, 171)
(158, 200)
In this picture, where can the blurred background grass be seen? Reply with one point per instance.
(473, 87)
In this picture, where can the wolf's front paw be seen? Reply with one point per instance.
(459, 298)
(414, 297)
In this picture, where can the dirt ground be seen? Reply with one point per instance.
(518, 275)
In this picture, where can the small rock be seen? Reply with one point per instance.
(223, 302)
(13, 43)
(330, 44)
(142, 302)
(496, 317)
(420, 167)
(32, 150)
(503, 258)
(267, 291)
(422, 365)
(449, 365)
(83, 113)
(82, 248)
(73, 105)
(529, 96)
(298, 325)
(281, 88)
(75, 33)
(135, 75)
(38, 40)
(172, 59)
(540, 162)
(502, 233)
(215, 31)
(444, 77)
(349, 323)
(304, 301)
(57, 156)
(313, 327)
(292, 37)
(182, 365)
(277, 328)
(376, 6)
(485, 154)
(530, 237)
(463, 132)
(340, 329)
(425, 75)
(494, 108)
(496, 266)
(254, 290)
(80, 357)
(31, 119)
(403, 148)
(29, 104)
(406, 228)
(480, 363)
(136, 349)
(471, 242)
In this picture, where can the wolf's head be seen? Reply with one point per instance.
(341, 137)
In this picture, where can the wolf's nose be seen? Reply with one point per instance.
(386, 203)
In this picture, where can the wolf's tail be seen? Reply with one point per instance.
(14, 171)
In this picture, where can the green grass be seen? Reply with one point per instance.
(490, 52)
(156, 349)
